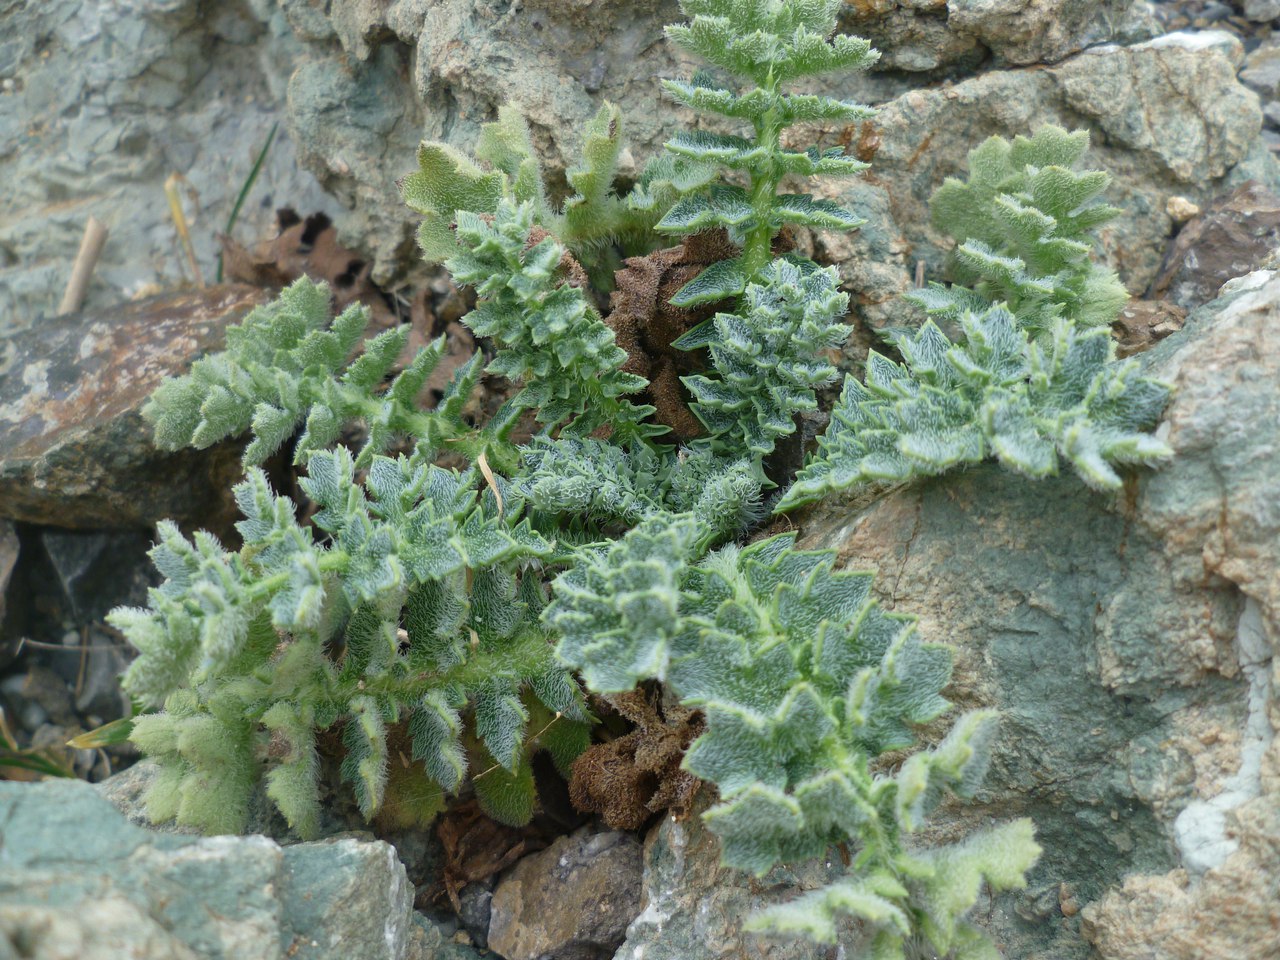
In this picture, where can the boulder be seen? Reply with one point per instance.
(100, 103)
(78, 880)
(74, 449)
(1168, 119)
(1129, 642)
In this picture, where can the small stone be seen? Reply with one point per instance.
(1180, 209)
(1261, 11)
(1261, 72)
(477, 909)
(32, 716)
(1215, 11)
(572, 901)
(1228, 240)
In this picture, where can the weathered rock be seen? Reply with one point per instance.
(100, 103)
(572, 901)
(419, 850)
(1144, 323)
(371, 77)
(1261, 72)
(1168, 117)
(1260, 11)
(1033, 31)
(694, 908)
(74, 450)
(8, 560)
(1130, 644)
(1231, 238)
(66, 856)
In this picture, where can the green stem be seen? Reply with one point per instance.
(764, 189)
(329, 562)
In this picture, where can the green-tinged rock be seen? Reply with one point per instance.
(694, 909)
(78, 880)
(1129, 641)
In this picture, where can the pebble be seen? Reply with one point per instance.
(1180, 209)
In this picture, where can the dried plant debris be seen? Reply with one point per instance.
(629, 779)
(477, 847)
(646, 323)
(1144, 323)
(308, 247)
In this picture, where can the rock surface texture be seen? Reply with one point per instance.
(572, 901)
(78, 881)
(100, 103)
(1131, 645)
(359, 82)
(1131, 642)
(74, 450)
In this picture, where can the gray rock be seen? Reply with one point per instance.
(1034, 31)
(372, 77)
(1261, 72)
(419, 850)
(1260, 11)
(100, 103)
(694, 908)
(74, 875)
(1233, 237)
(74, 450)
(1168, 118)
(476, 900)
(1129, 642)
(571, 901)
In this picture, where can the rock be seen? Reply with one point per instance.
(426, 942)
(1223, 899)
(107, 928)
(74, 450)
(8, 560)
(571, 901)
(99, 103)
(1260, 11)
(1229, 240)
(75, 876)
(95, 572)
(1180, 209)
(1129, 642)
(694, 908)
(1034, 31)
(1144, 323)
(476, 901)
(1261, 72)
(358, 129)
(419, 850)
(1168, 119)
(369, 78)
